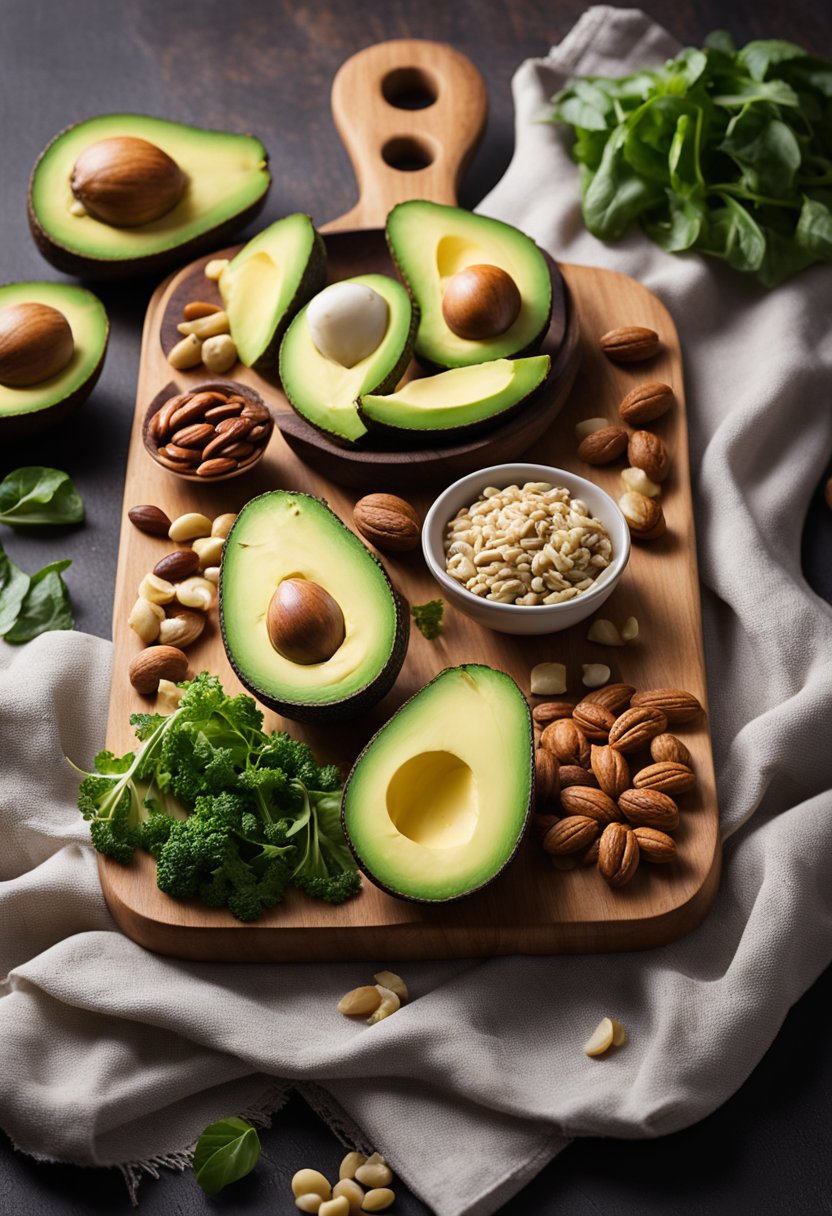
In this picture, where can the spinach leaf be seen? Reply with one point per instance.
(757, 57)
(616, 194)
(45, 605)
(225, 1152)
(814, 230)
(765, 147)
(745, 243)
(13, 587)
(35, 495)
(681, 230)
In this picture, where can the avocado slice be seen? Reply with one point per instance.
(267, 282)
(431, 242)
(464, 399)
(227, 184)
(324, 392)
(27, 411)
(280, 536)
(436, 804)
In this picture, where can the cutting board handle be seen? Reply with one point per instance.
(410, 114)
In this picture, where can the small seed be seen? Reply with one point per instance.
(339, 1206)
(374, 1173)
(205, 327)
(151, 520)
(311, 1182)
(389, 1004)
(595, 675)
(195, 309)
(195, 593)
(629, 630)
(185, 354)
(219, 353)
(176, 566)
(182, 629)
(389, 979)
(222, 524)
(157, 590)
(548, 679)
(150, 666)
(637, 480)
(350, 1189)
(350, 1164)
(604, 632)
(589, 426)
(214, 268)
(190, 526)
(378, 1199)
(308, 1203)
(209, 550)
(217, 467)
(168, 697)
(601, 1038)
(360, 1001)
(212, 573)
(145, 619)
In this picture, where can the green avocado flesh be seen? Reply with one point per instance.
(458, 399)
(227, 175)
(282, 535)
(431, 242)
(88, 322)
(267, 282)
(436, 804)
(325, 393)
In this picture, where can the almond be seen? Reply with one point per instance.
(644, 515)
(574, 774)
(566, 739)
(151, 520)
(194, 436)
(157, 663)
(618, 854)
(668, 747)
(539, 825)
(630, 343)
(594, 804)
(667, 776)
(388, 522)
(594, 720)
(611, 770)
(646, 403)
(648, 452)
(655, 846)
(604, 446)
(676, 704)
(546, 778)
(571, 835)
(615, 697)
(550, 711)
(176, 566)
(635, 728)
(649, 809)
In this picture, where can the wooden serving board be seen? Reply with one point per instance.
(531, 908)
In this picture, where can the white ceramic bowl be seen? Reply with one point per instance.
(525, 618)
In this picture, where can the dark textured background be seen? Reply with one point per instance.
(266, 66)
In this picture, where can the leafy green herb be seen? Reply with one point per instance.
(31, 606)
(722, 151)
(428, 618)
(225, 1152)
(35, 496)
(232, 815)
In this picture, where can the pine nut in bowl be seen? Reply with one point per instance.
(526, 548)
(212, 432)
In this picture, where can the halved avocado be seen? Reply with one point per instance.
(463, 400)
(431, 242)
(228, 179)
(436, 805)
(280, 536)
(27, 411)
(267, 282)
(324, 392)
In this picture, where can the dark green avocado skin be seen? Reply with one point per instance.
(364, 698)
(24, 426)
(453, 899)
(312, 282)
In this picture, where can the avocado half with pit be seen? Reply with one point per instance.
(432, 243)
(56, 329)
(437, 803)
(222, 184)
(323, 390)
(267, 282)
(310, 621)
(462, 401)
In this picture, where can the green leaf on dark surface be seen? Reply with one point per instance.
(13, 587)
(814, 230)
(45, 605)
(34, 496)
(225, 1152)
(757, 57)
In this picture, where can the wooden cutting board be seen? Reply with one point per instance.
(532, 908)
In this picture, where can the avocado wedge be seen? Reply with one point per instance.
(431, 243)
(28, 409)
(436, 804)
(461, 401)
(326, 393)
(282, 538)
(267, 282)
(226, 184)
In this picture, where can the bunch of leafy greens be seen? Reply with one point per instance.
(428, 618)
(723, 151)
(232, 815)
(36, 496)
(31, 605)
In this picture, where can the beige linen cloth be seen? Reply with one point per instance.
(112, 1055)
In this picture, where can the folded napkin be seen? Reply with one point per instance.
(113, 1055)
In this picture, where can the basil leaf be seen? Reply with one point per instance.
(35, 495)
(225, 1152)
(814, 230)
(765, 147)
(13, 587)
(45, 605)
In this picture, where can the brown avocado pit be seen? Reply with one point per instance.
(126, 181)
(481, 302)
(305, 624)
(35, 343)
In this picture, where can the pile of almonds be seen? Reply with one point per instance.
(591, 807)
(209, 433)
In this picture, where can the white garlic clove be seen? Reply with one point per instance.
(347, 322)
